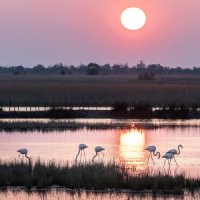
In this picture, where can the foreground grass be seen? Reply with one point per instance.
(89, 176)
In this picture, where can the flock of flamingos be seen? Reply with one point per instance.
(169, 155)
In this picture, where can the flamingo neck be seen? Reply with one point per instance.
(77, 154)
(156, 153)
(28, 157)
(94, 157)
(179, 151)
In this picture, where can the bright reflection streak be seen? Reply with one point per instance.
(132, 144)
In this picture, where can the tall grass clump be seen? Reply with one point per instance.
(89, 176)
(58, 125)
(15, 173)
(96, 176)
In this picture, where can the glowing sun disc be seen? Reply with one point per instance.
(133, 18)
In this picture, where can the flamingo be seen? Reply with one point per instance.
(175, 152)
(97, 150)
(23, 152)
(81, 148)
(168, 157)
(152, 150)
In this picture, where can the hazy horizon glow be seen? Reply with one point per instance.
(75, 32)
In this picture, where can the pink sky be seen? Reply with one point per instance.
(83, 31)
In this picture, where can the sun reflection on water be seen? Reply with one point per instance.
(132, 144)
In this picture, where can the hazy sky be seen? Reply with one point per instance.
(83, 31)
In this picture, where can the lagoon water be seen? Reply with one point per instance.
(122, 146)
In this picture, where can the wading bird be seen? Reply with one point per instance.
(81, 148)
(168, 157)
(152, 151)
(98, 149)
(23, 152)
(175, 152)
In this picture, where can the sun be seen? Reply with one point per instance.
(133, 18)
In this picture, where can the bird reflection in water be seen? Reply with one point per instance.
(132, 148)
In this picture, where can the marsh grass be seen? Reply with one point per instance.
(96, 176)
(72, 125)
(30, 90)
(56, 125)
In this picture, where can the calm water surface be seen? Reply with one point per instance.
(125, 146)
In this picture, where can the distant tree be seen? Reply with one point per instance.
(106, 69)
(82, 69)
(72, 69)
(58, 68)
(19, 70)
(156, 68)
(93, 69)
(38, 69)
(141, 65)
(120, 107)
(144, 72)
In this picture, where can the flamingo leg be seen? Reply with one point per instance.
(148, 158)
(169, 166)
(81, 155)
(102, 156)
(169, 160)
(169, 171)
(164, 163)
(152, 159)
(164, 170)
(84, 155)
(99, 156)
(175, 161)
(175, 171)
(19, 156)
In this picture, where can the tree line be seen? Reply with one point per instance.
(144, 71)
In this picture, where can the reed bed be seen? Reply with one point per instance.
(30, 90)
(96, 176)
(72, 125)
(56, 125)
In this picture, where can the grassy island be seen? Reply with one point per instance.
(95, 176)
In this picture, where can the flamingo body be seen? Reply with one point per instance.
(98, 149)
(175, 152)
(24, 152)
(81, 148)
(168, 155)
(152, 150)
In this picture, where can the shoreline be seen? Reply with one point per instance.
(73, 125)
(103, 191)
(103, 114)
